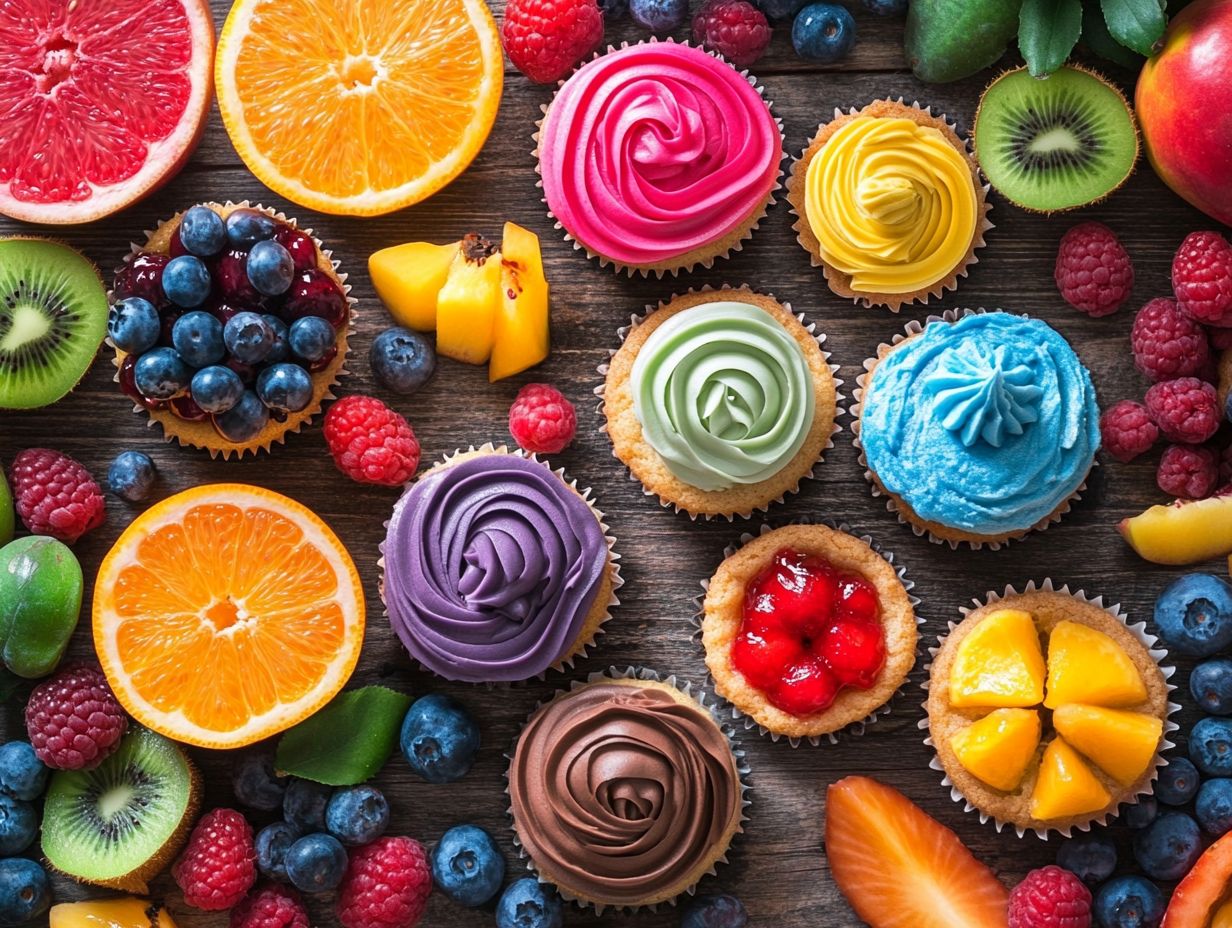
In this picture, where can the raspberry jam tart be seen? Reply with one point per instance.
(807, 630)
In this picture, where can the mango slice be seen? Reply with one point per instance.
(1086, 666)
(1065, 787)
(1120, 743)
(1184, 532)
(998, 747)
(469, 302)
(521, 339)
(999, 664)
(408, 279)
(124, 912)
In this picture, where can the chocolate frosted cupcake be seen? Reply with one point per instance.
(495, 569)
(624, 792)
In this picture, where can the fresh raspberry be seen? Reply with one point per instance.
(370, 442)
(55, 495)
(1050, 897)
(735, 29)
(1167, 343)
(1127, 430)
(73, 718)
(271, 906)
(1186, 410)
(1202, 278)
(541, 420)
(386, 885)
(1093, 272)
(219, 864)
(545, 39)
(1221, 339)
(1188, 471)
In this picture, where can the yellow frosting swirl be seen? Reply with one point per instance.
(892, 203)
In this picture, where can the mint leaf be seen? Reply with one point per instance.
(1098, 39)
(1048, 30)
(1136, 24)
(348, 741)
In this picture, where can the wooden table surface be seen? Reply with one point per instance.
(778, 866)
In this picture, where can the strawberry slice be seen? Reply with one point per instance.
(900, 868)
(1196, 897)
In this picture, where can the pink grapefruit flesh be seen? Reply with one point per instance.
(101, 101)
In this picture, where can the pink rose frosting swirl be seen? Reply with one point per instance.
(656, 150)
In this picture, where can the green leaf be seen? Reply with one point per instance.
(348, 741)
(1048, 30)
(1098, 39)
(1136, 24)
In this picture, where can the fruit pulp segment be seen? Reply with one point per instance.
(408, 279)
(1065, 786)
(1087, 666)
(998, 747)
(125, 912)
(1184, 532)
(466, 309)
(521, 337)
(999, 663)
(1120, 743)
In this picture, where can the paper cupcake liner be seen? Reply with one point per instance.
(857, 410)
(580, 648)
(894, 303)
(169, 422)
(852, 730)
(1139, 631)
(840, 398)
(747, 226)
(699, 696)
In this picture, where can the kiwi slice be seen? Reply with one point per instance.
(122, 822)
(1058, 143)
(53, 315)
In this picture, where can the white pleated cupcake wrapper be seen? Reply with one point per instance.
(1139, 631)
(708, 262)
(565, 664)
(938, 289)
(811, 327)
(699, 696)
(853, 729)
(911, 329)
(239, 452)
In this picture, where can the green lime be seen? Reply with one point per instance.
(40, 601)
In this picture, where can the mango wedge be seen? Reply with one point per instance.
(408, 279)
(122, 912)
(521, 339)
(1184, 532)
(468, 304)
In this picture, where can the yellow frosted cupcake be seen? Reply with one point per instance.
(889, 203)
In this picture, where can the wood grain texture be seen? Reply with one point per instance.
(778, 866)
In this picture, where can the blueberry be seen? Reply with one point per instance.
(248, 337)
(1213, 807)
(216, 389)
(357, 815)
(246, 227)
(255, 783)
(1210, 683)
(197, 336)
(186, 281)
(1177, 783)
(270, 268)
(779, 9)
(1210, 746)
(1168, 847)
(285, 387)
(273, 842)
(659, 15)
(24, 893)
(18, 825)
(1129, 902)
(439, 738)
(202, 232)
(161, 373)
(823, 32)
(1141, 813)
(304, 804)
(243, 421)
(1092, 858)
(133, 324)
(22, 774)
(722, 911)
(467, 865)
(1194, 615)
(886, 7)
(310, 337)
(402, 360)
(527, 903)
(315, 863)
(281, 350)
(131, 476)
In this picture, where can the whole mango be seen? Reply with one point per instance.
(947, 40)
(40, 602)
(6, 511)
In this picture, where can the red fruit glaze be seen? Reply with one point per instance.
(143, 277)
(185, 407)
(175, 247)
(231, 275)
(323, 361)
(303, 249)
(854, 649)
(313, 293)
(128, 384)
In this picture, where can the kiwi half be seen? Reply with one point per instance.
(53, 315)
(1055, 144)
(122, 822)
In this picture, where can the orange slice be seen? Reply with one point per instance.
(226, 614)
(358, 108)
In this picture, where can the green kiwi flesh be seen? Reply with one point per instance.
(53, 316)
(121, 823)
(1055, 144)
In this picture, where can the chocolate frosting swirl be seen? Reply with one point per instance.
(492, 565)
(622, 792)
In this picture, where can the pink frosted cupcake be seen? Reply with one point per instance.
(658, 157)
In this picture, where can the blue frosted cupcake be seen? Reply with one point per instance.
(978, 428)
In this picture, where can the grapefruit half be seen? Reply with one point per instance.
(101, 101)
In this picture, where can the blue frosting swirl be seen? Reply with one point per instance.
(986, 424)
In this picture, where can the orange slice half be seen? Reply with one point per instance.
(363, 107)
(225, 614)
